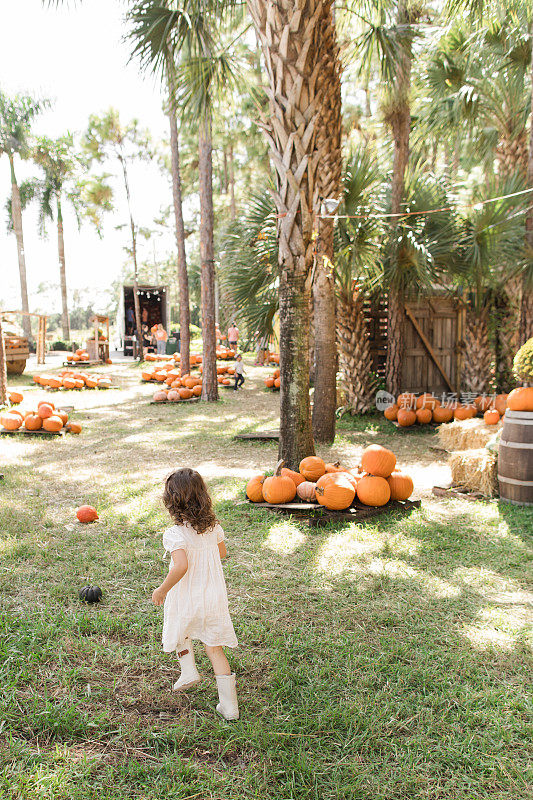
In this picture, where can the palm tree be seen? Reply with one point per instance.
(16, 116)
(329, 180)
(158, 32)
(291, 39)
(107, 137)
(60, 166)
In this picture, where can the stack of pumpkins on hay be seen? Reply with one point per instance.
(67, 379)
(373, 482)
(47, 417)
(273, 381)
(410, 409)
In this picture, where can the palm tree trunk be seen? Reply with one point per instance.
(136, 302)
(290, 37)
(183, 278)
(476, 373)
(3, 368)
(526, 311)
(16, 212)
(355, 359)
(329, 186)
(232, 206)
(325, 372)
(65, 325)
(207, 262)
(401, 128)
(509, 300)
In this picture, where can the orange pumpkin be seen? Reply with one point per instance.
(442, 414)
(373, 490)
(52, 424)
(63, 415)
(406, 400)
(90, 382)
(254, 489)
(500, 403)
(87, 514)
(279, 488)
(159, 397)
(269, 383)
(336, 467)
(294, 476)
(483, 403)
(337, 493)
(69, 383)
(173, 395)
(16, 397)
(36, 378)
(401, 486)
(427, 400)
(277, 383)
(312, 468)
(391, 413)
(349, 475)
(185, 393)
(463, 412)
(521, 399)
(491, 417)
(377, 460)
(45, 410)
(10, 421)
(33, 422)
(406, 417)
(197, 390)
(74, 427)
(424, 415)
(54, 382)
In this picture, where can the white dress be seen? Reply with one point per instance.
(197, 606)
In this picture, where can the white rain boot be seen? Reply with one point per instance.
(227, 694)
(189, 674)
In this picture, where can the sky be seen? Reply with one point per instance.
(75, 57)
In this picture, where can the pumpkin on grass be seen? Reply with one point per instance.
(373, 490)
(406, 417)
(87, 514)
(336, 493)
(312, 468)
(306, 491)
(401, 486)
(74, 427)
(424, 415)
(279, 488)
(406, 400)
(377, 460)
(254, 489)
(16, 398)
(442, 414)
(391, 413)
(90, 594)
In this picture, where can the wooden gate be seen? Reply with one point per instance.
(432, 343)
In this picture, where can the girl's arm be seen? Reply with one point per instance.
(222, 549)
(180, 566)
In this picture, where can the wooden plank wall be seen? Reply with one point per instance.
(438, 318)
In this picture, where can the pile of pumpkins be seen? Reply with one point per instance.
(410, 409)
(67, 379)
(272, 358)
(222, 375)
(273, 381)
(47, 417)
(194, 358)
(225, 352)
(374, 482)
(79, 355)
(178, 386)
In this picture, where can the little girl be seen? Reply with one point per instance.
(194, 591)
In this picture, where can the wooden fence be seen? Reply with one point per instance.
(432, 342)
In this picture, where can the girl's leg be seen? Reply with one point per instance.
(189, 674)
(228, 706)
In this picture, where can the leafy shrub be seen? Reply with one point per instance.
(523, 362)
(60, 345)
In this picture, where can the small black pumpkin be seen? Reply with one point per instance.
(91, 594)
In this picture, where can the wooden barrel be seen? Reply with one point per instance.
(515, 458)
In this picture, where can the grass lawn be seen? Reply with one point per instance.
(380, 661)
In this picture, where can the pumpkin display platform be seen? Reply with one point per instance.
(258, 436)
(26, 432)
(174, 402)
(77, 388)
(318, 516)
(78, 364)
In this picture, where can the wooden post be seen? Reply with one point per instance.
(459, 344)
(41, 340)
(3, 368)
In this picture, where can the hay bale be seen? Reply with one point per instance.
(468, 434)
(475, 471)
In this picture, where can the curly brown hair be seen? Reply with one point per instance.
(187, 500)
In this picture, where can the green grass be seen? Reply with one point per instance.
(376, 662)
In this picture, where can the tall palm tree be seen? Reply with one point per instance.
(329, 180)
(16, 116)
(291, 40)
(106, 137)
(60, 166)
(159, 30)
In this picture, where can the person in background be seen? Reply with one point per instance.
(218, 334)
(161, 337)
(130, 320)
(233, 336)
(239, 372)
(262, 347)
(144, 315)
